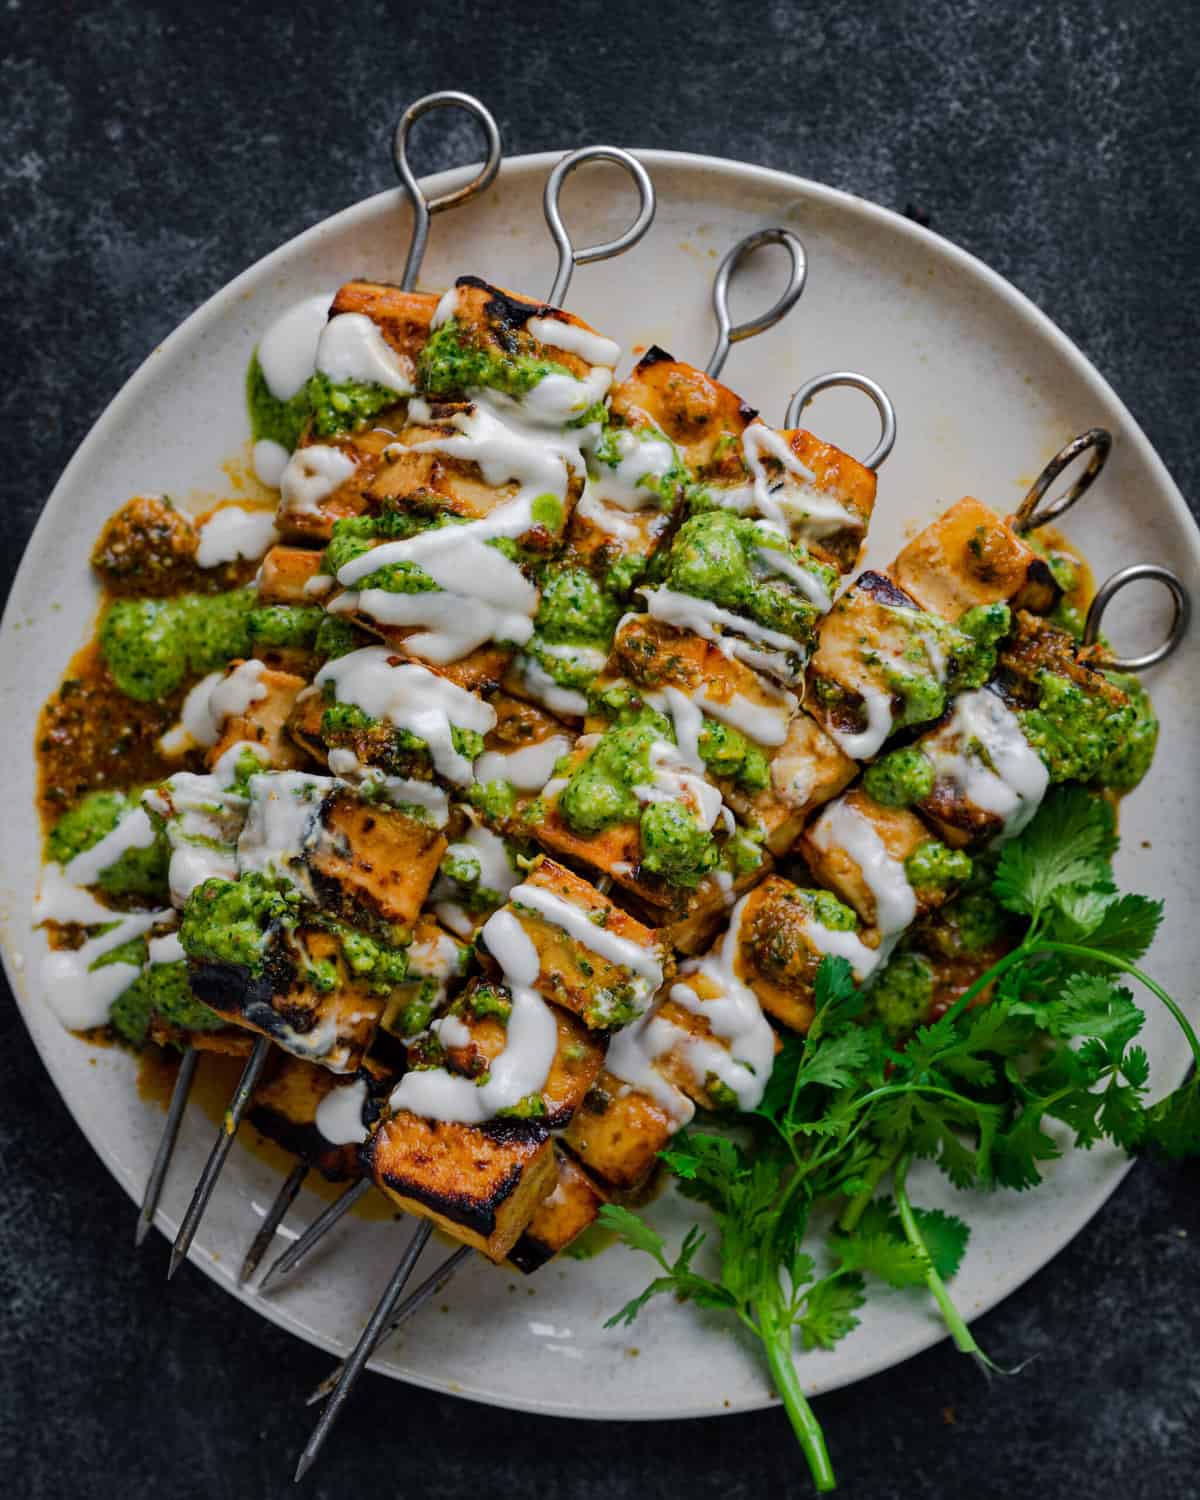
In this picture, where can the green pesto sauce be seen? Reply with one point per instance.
(400, 578)
(488, 1000)
(496, 800)
(722, 1098)
(137, 872)
(715, 556)
(1127, 763)
(933, 865)
(272, 420)
(902, 992)
(281, 625)
(1074, 732)
(462, 866)
(345, 406)
(152, 645)
(532, 1107)
(900, 778)
(968, 649)
(728, 753)
(354, 535)
(607, 450)
(828, 911)
(381, 965)
(600, 791)
(977, 919)
(675, 846)
(336, 636)
(449, 365)
(160, 990)
(231, 921)
(575, 610)
(415, 1014)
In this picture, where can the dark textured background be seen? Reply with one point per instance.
(151, 151)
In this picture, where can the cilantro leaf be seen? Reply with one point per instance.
(1173, 1124)
(1089, 1005)
(1068, 843)
(892, 1260)
(1127, 926)
(828, 1310)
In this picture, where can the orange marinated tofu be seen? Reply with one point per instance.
(703, 418)
(482, 1184)
(888, 836)
(402, 317)
(498, 321)
(373, 859)
(971, 556)
(329, 478)
(285, 575)
(588, 974)
(264, 722)
(285, 1105)
(806, 771)
(480, 671)
(618, 1132)
(478, 1032)
(562, 1217)
(331, 1026)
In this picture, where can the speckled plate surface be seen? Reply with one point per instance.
(986, 389)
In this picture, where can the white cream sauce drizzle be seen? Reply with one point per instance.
(133, 831)
(287, 351)
(542, 688)
(496, 873)
(841, 825)
(743, 639)
(620, 485)
(585, 342)
(1009, 778)
(312, 474)
(202, 820)
(805, 580)
(413, 698)
(672, 780)
(283, 826)
(792, 502)
(527, 769)
(432, 802)
(196, 727)
(269, 460)
(352, 348)
(233, 532)
(530, 1046)
(339, 1115)
(577, 924)
(862, 744)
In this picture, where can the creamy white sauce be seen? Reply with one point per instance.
(234, 532)
(133, 831)
(765, 722)
(842, 826)
(621, 485)
(319, 585)
(166, 949)
(80, 994)
(630, 1058)
(413, 698)
(585, 342)
(287, 351)
(806, 581)
(202, 821)
(197, 728)
(269, 460)
(235, 691)
(339, 1115)
(434, 955)
(792, 502)
(672, 780)
(283, 827)
(862, 744)
(863, 960)
(527, 769)
(531, 1043)
(738, 637)
(312, 474)
(577, 924)
(398, 791)
(1009, 778)
(353, 348)
(542, 688)
(496, 873)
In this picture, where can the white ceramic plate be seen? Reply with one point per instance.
(986, 390)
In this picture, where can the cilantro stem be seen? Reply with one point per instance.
(1090, 955)
(857, 1206)
(963, 1338)
(777, 1341)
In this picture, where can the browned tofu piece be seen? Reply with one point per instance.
(480, 1183)
(618, 1132)
(402, 317)
(1035, 647)
(782, 939)
(692, 928)
(971, 556)
(264, 722)
(373, 859)
(677, 1064)
(806, 771)
(562, 1217)
(480, 671)
(857, 848)
(285, 575)
(229, 1041)
(522, 749)
(285, 1105)
(654, 656)
(497, 320)
(333, 1027)
(578, 1057)
(703, 418)
(583, 966)
(308, 507)
(437, 965)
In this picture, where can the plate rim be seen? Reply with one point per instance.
(215, 306)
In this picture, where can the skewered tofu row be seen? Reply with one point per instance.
(478, 556)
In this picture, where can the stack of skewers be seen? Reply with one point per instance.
(573, 755)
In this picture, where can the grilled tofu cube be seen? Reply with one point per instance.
(475, 1031)
(403, 317)
(971, 556)
(298, 990)
(482, 1184)
(1069, 711)
(373, 862)
(785, 932)
(286, 574)
(804, 773)
(329, 478)
(618, 1132)
(519, 757)
(596, 961)
(262, 722)
(880, 860)
(884, 663)
(562, 1217)
(296, 1099)
(437, 964)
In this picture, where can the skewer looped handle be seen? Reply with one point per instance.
(424, 208)
(1112, 586)
(568, 256)
(1032, 513)
(870, 388)
(729, 333)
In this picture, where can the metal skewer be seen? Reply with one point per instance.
(317, 1230)
(428, 1289)
(283, 1200)
(166, 1143)
(423, 209)
(1180, 617)
(1031, 513)
(226, 1131)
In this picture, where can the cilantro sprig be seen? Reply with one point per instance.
(975, 1092)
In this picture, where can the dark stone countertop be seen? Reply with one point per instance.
(152, 151)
